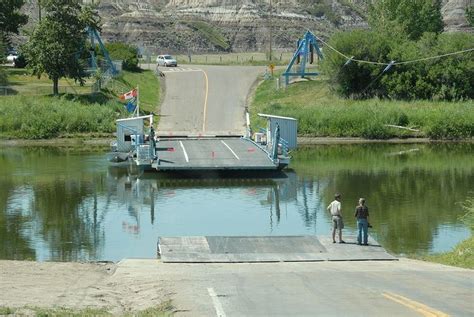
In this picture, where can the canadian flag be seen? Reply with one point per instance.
(129, 95)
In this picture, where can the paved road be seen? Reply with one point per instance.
(351, 288)
(206, 100)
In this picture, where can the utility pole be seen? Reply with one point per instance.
(271, 35)
(39, 10)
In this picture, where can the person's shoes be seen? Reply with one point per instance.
(342, 241)
(334, 241)
(366, 244)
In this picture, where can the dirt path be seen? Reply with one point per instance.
(77, 286)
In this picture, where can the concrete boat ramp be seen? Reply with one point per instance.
(259, 249)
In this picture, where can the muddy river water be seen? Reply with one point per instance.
(69, 204)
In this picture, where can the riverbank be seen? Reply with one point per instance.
(320, 113)
(105, 139)
(74, 141)
(461, 256)
(29, 114)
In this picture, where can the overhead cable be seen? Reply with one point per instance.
(394, 63)
(434, 57)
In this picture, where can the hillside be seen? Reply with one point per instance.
(222, 25)
(195, 26)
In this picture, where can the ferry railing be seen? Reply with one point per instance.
(143, 154)
(283, 145)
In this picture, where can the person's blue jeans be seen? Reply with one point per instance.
(363, 226)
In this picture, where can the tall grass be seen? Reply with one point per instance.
(44, 117)
(145, 80)
(468, 207)
(321, 113)
(48, 117)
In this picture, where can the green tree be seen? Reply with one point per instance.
(122, 51)
(470, 15)
(11, 18)
(446, 78)
(410, 18)
(57, 42)
(357, 80)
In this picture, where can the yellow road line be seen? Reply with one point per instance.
(205, 102)
(418, 307)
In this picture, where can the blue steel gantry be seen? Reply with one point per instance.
(94, 36)
(306, 48)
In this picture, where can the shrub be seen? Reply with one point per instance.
(20, 61)
(446, 78)
(127, 53)
(353, 79)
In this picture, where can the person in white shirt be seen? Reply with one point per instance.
(336, 212)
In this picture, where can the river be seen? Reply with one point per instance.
(69, 204)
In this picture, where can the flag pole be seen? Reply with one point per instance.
(138, 101)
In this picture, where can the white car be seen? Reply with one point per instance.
(11, 57)
(166, 60)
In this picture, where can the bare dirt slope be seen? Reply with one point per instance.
(196, 26)
(77, 286)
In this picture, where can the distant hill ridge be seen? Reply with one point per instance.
(194, 26)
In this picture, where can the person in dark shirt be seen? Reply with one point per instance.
(151, 136)
(362, 215)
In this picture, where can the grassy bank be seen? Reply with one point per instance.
(19, 81)
(461, 256)
(42, 116)
(147, 83)
(45, 117)
(321, 113)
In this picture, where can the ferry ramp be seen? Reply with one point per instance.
(258, 249)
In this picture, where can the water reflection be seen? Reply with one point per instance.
(141, 191)
(49, 207)
(413, 191)
(61, 204)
